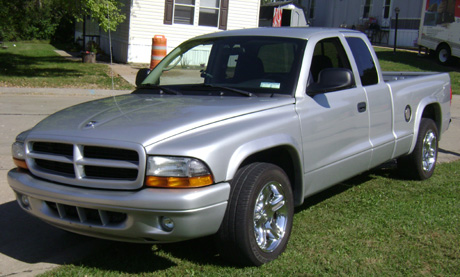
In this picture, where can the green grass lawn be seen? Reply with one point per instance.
(372, 225)
(410, 61)
(36, 64)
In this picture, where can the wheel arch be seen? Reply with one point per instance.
(442, 44)
(431, 111)
(287, 158)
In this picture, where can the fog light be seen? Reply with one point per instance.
(167, 224)
(24, 201)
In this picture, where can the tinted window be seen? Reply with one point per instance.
(364, 61)
(329, 53)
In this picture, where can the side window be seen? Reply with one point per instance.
(364, 61)
(328, 53)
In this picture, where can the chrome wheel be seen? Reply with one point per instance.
(429, 151)
(258, 220)
(270, 217)
(420, 164)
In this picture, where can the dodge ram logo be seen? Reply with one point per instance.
(90, 124)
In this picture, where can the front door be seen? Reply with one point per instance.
(335, 125)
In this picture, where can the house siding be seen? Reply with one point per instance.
(132, 42)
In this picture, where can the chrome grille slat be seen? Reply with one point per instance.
(87, 165)
(107, 163)
(104, 218)
(81, 215)
(56, 158)
(61, 211)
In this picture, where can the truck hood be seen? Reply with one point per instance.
(146, 119)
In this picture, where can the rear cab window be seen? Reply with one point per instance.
(364, 60)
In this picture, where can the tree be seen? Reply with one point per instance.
(41, 19)
(28, 19)
(107, 12)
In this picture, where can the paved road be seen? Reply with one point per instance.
(28, 246)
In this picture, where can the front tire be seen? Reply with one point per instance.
(258, 221)
(421, 163)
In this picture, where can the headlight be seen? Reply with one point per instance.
(18, 152)
(177, 172)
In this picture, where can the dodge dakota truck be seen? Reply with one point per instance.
(225, 136)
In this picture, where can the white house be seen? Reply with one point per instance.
(177, 20)
(361, 13)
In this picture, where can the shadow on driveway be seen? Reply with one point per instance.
(30, 240)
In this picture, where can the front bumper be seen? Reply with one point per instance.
(133, 216)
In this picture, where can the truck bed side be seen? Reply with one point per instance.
(422, 94)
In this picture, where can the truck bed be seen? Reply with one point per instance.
(389, 76)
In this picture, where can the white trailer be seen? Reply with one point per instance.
(282, 14)
(440, 29)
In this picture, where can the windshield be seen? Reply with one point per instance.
(251, 66)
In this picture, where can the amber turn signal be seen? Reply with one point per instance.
(178, 182)
(20, 163)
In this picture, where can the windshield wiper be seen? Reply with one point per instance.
(242, 92)
(162, 89)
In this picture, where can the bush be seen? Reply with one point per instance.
(29, 19)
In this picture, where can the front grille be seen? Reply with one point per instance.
(110, 153)
(86, 215)
(87, 165)
(53, 148)
(110, 172)
(56, 167)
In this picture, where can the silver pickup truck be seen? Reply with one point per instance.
(226, 136)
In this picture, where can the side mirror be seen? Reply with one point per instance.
(331, 79)
(141, 75)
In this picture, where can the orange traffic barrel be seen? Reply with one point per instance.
(158, 50)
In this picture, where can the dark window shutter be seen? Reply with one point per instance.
(223, 14)
(169, 5)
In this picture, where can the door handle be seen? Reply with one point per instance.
(362, 107)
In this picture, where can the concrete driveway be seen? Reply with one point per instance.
(28, 246)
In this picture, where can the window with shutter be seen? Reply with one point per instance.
(212, 13)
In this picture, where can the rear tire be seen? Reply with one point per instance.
(420, 164)
(444, 54)
(258, 221)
